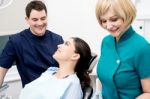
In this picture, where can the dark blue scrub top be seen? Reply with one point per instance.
(33, 55)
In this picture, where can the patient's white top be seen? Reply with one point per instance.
(47, 86)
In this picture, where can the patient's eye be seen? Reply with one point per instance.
(67, 43)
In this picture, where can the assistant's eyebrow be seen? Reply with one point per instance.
(114, 16)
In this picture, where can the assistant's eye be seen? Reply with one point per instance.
(114, 19)
(103, 21)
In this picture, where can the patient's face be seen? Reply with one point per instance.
(65, 51)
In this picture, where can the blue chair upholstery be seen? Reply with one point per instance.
(3, 41)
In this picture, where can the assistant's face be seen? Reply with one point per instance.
(37, 22)
(65, 51)
(113, 23)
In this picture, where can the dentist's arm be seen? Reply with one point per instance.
(3, 72)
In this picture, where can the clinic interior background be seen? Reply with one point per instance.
(67, 18)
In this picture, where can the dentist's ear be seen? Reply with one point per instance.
(26, 18)
(75, 56)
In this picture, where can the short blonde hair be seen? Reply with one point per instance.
(125, 9)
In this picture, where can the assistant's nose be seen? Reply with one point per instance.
(109, 25)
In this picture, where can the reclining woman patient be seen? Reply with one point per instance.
(67, 81)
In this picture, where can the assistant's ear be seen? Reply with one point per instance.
(75, 56)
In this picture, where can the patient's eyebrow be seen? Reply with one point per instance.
(67, 43)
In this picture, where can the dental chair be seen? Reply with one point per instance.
(88, 90)
(3, 91)
(4, 87)
(3, 40)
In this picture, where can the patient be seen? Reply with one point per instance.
(67, 81)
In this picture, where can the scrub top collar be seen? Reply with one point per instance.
(127, 34)
(31, 35)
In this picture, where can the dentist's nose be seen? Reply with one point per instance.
(40, 22)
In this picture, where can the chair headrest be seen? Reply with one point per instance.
(92, 62)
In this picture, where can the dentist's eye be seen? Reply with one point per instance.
(35, 19)
(43, 18)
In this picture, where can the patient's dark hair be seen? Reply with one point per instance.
(82, 65)
(35, 5)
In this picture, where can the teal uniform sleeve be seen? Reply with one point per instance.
(142, 62)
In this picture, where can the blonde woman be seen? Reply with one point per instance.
(123, 67)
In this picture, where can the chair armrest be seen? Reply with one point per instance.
(4, 87)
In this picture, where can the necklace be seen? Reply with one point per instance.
(61, 77)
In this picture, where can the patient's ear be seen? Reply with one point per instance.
(75, 56)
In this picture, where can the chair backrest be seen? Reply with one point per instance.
(88, 90)
(93, 62)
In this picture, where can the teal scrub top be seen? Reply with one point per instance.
(122, 65)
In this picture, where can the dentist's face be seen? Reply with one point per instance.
(113, 23)
(37, 22)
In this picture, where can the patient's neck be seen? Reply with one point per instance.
(64, 72)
